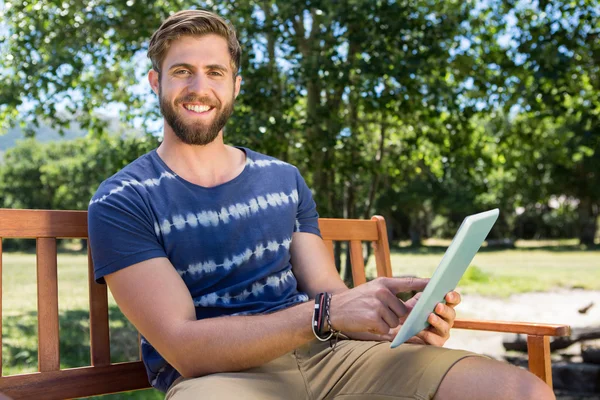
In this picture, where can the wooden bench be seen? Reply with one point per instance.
(102, 377)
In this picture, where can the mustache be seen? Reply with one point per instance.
(190, 98)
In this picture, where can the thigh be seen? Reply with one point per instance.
(277, 379)
(371, 370)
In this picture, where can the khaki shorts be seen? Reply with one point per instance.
(354, 370)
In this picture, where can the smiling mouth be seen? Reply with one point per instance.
(197, 108)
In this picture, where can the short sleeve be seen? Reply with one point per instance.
(307, 218)
(121, 233)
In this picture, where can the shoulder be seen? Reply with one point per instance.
(134, 179)
(264, 164)
(255, 159)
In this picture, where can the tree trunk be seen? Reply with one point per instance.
(588, 220)
(376, 169)
(415, 229)
(350, 212)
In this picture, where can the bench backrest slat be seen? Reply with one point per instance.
(381, 249)
(357, 262)
(99, 331)
(47, 285)
(348, 229)
(43, 223)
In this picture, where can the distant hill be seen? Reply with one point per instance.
(43, 134)
(46, 134)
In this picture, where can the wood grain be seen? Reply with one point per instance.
(47, 284)
(358, 263)
(381, 248)
(527, 328)
(99, 330)
(348, 229)
(76, 382)
(538, 348)
(42, 223)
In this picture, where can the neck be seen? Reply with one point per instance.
(210, 165)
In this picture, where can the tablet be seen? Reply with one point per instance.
(467, 241)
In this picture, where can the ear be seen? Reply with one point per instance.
(237, 84)
(153, 79)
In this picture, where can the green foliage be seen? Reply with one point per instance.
(64, 175)
(474, 274)
(410, 110)
(552, 85)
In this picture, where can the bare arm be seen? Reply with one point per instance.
(155, 299)
(313, 267)
(367, 312)
(370, 311)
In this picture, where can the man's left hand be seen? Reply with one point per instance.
(441, 320)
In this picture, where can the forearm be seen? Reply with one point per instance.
(240, 342)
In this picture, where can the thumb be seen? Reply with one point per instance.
(410, 303)
(398, 285)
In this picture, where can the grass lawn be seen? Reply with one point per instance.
(500, 273)
(493, 272)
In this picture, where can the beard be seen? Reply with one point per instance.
(196, 132)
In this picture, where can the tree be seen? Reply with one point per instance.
(554, 92)
(64, 175)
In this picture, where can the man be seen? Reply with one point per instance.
(213, 253)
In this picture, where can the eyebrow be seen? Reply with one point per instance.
(219, 67)
(185, 65)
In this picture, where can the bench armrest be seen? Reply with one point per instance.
(527, 328)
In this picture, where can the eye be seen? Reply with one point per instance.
(182, 72)
(215, 73)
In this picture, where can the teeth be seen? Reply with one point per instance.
(196, 108)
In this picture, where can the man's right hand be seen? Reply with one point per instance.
(373, 307)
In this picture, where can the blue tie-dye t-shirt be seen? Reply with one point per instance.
(230, 243)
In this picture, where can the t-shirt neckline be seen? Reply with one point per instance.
(232, 181)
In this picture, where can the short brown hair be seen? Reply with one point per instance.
(192, 23)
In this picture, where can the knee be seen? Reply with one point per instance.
(532, 387)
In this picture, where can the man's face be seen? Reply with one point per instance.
(196, 88)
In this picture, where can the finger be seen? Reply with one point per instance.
(446, 312)
(438, 326)
(379, 327)
(390, 317)
(430, 338)
(410, 303)
(453, 299)
(397, 306)
(398, 285)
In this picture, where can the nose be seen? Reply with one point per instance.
(198, 84)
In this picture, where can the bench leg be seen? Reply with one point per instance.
(539, 357)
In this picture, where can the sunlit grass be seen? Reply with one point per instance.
(524, 269)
